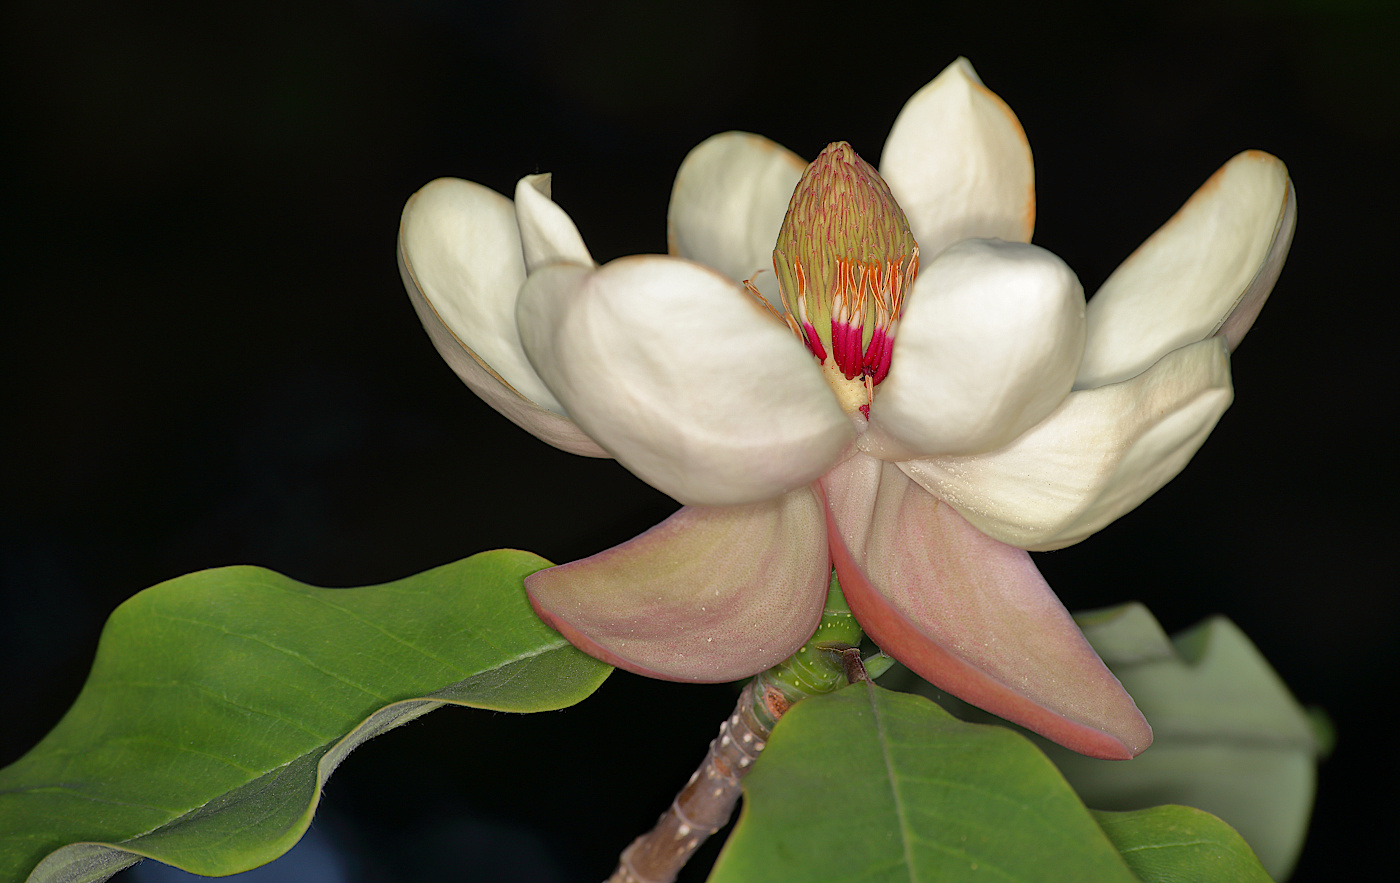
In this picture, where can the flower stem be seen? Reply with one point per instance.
(828, 661)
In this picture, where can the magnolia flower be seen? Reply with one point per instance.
(877, 375)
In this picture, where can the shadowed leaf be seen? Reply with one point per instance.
(1230, 738)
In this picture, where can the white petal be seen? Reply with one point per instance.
(988, 345)
(958, 162)
(1094, 459)
(459, 243)
(547, 233)
(1207, 271)
(683, 377)
(729, 200)
(459, 256)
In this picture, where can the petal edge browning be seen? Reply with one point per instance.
(1207, 271)
(959, 163)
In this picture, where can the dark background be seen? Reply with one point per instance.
(210, 358)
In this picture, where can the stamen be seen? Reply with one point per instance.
(763, 301)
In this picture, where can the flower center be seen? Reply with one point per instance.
(845, 258)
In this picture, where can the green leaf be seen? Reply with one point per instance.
(1229, 738)
(871, 785)
(220, 702)
(1176, 844)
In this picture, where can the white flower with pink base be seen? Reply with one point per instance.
(918, 414)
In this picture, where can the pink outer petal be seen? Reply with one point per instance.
(970, 614)
(710, 594)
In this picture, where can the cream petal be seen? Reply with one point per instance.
(683, 377)
(1094, 459)
(729, 200)
(988, 345)
(547, 233)
(459, 256)
(959, 164)
(969, 614)
(1207, 271)
(707, 595)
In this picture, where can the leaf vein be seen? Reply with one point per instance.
(900, 813)
(76, 792)
(287, 651)
(320, 598)
(1175, 845)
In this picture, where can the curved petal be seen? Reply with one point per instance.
(969, 614)
(547, 233)
(707, 595)
(693, 386)
(729, 200)
(959, 164)
(1095, 459)
(1207, 271)
(988, 345)
(459, 256)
